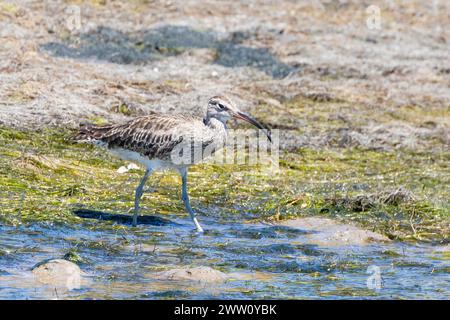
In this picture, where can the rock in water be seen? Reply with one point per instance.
(201, 274)
(58, 273)
(328, 232)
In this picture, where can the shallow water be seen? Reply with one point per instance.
(268, 261)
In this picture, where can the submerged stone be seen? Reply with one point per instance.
(202, 274)
(328, 232)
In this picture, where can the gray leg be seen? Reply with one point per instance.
(138, 195)
(185, 198)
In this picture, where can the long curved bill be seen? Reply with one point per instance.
(249, 119)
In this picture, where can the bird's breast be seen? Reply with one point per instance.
(151, 163)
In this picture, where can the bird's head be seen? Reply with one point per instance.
(222, 109)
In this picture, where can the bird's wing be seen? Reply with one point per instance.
(154, 136)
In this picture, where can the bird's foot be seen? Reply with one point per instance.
(198, 226)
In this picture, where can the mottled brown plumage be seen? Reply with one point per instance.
(153, 141)
(153, 136)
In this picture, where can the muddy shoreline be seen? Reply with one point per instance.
(347, 85)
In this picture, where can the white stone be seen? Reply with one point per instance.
(58, 273)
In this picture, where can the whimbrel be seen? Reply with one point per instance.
(154, 139)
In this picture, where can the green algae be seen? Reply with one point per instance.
(44, 176)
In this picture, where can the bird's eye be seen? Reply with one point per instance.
(221, 106)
